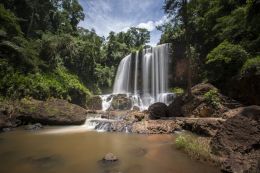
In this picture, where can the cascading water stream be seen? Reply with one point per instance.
(143, 76)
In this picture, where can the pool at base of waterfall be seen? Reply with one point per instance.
(82, 151)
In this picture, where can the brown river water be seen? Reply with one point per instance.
(81, 151)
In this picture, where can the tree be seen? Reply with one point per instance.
(179, 8)
(225, 62)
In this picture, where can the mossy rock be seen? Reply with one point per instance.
(121, 102)
(50, 112)
(94, 103)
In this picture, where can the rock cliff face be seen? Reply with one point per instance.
(205, 101)
(238, 140)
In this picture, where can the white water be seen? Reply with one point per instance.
(91, 124)
(106, 101)
(143, 76)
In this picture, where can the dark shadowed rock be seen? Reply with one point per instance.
(5, 123)
(199, 106)
(175, 107)
(158, 110)
(246, 87)
(238, 141)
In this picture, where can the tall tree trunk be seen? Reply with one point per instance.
(187, 45)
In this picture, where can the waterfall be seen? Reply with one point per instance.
(148, 84)
(106, 101)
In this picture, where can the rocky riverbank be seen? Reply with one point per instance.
(233, 129)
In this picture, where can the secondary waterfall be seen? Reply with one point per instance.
(144, 76)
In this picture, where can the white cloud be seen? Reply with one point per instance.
(151, 25)
(148, 25)
(119, 15)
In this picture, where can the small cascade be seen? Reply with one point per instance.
(98, 124)
(94, 122)
(106, 101)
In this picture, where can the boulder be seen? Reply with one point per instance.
(136, 116)
(158, 110)
(36, 126)
(121, 102)
(198, 105)
(50, 112)
(175, 107)
(94, 103)
(110, 157)
(202, 126)
(238, 140)
(136, 108)
(156, 127)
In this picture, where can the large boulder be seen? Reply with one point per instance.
(202, 126)
(94, 103)
(158, 110)
(205, 101)
(238, 140)
(50, 112)
(121, 102)
(175, 107)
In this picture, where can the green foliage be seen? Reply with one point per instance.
(212, 25)
(42, 85)
(225, 61)
(9, 22)
(251, 66)
(212, 97)
(177, 90)
(196, 147)
(45, 54)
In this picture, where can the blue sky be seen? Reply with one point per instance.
(119, 15)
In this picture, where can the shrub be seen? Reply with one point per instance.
(251, 66)
(196, 147)
(224, 62)
(58, 84)
(212, 98)
(177, 90)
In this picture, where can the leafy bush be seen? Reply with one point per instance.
(251, 66)
(196, 147)
(59, 84)
(224, 62)
(177, 90)
(212, 98)
(9, 22)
